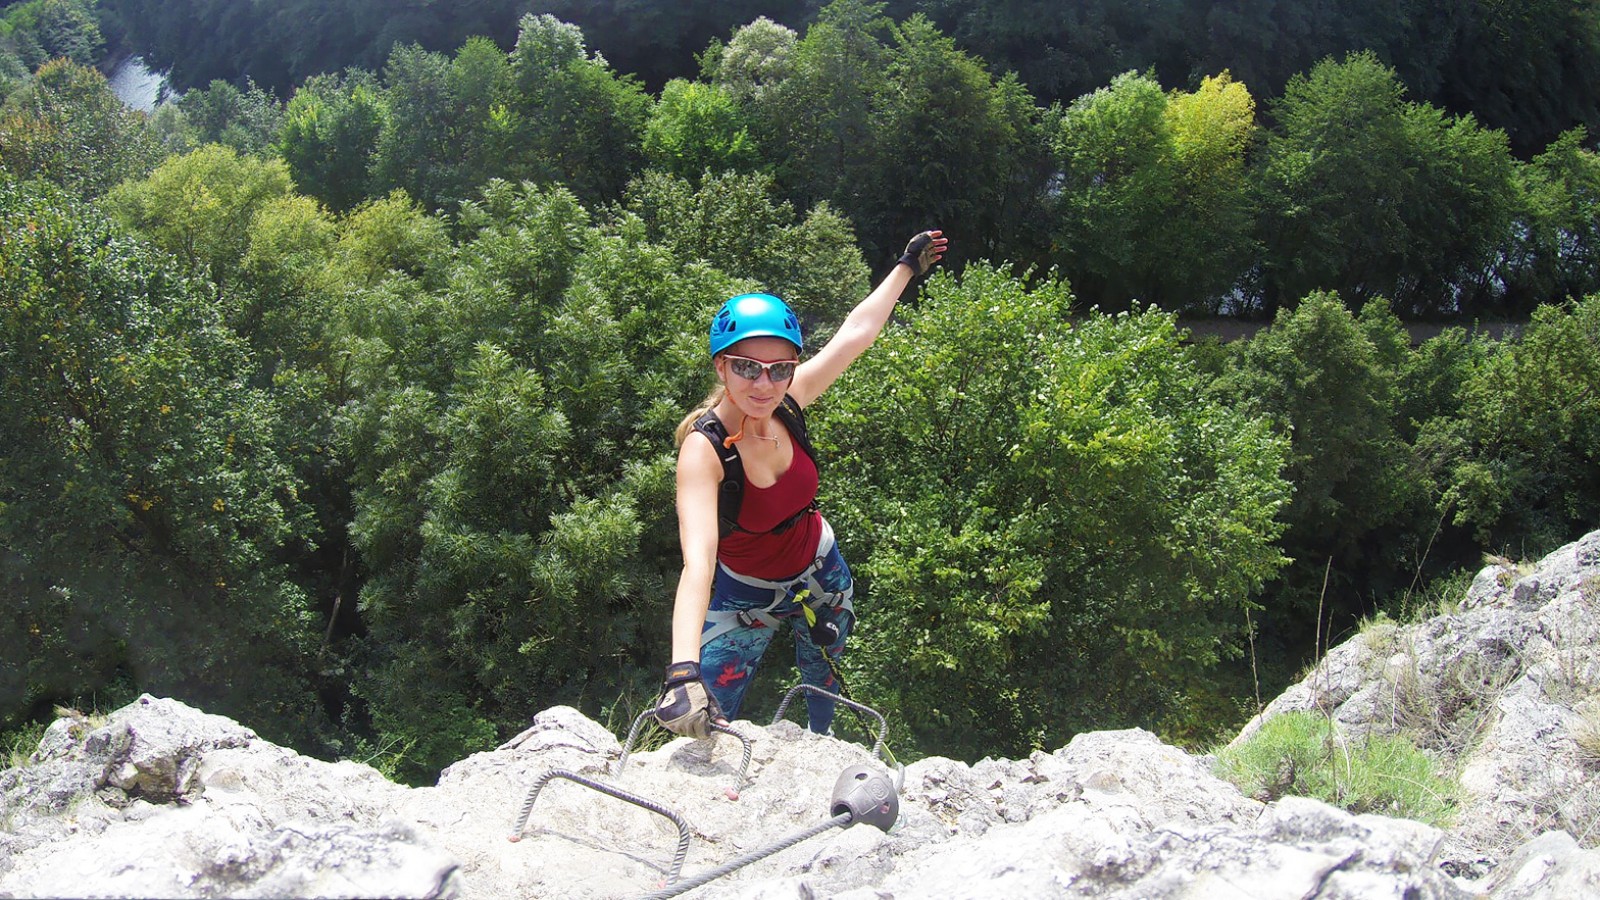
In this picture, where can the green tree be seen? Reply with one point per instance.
(1360, 508)
(1153, 203)
(246, 121)
(736, 224)
(1557, 256)
(814, 125)
(695, 128)
(759, 55)
(144, 504)
(330, 132)
(577, 123)
(895, 128)
(67, 29)
(1526, 68)
(67, 126)
(1056, 529)
(951, 147)
(1519, 466)
(1353, 181)
(201, 206)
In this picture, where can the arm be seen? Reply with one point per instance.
(865, 322)
(686, 706)
(699, 475)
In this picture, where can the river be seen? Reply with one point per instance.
(137, 86)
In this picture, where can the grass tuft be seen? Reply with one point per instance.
(1303, 754)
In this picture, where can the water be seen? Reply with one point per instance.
(137, 86)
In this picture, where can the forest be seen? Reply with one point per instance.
(339, 391)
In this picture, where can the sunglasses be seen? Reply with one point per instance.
(751, 369)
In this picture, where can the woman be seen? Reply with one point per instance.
(756, 553)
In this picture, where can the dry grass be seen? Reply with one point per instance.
(1585, 731)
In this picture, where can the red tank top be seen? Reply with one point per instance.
(757, 552)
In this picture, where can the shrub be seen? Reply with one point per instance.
(1303, 754)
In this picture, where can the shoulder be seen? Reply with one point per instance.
(697, 458)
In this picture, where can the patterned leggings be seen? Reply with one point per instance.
(729, 660)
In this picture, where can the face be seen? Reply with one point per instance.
(760, 395)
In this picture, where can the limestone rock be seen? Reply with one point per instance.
(164, 800)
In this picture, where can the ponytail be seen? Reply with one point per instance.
(706, 405)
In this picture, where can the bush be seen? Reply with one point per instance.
(1303, 754)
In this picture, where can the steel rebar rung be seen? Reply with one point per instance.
(638, 724)
(636, 800)
(883, 726)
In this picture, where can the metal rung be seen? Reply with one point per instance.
(883, 727)
(636, 800)
(638, 724)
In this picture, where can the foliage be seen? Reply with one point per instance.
(200, 207)
(1360, 519)
(1519, 465)
(449, 128)
(695, 128)
(735, 223)
(758, 56)
(1368, 195)
(1558, 254)
(144, 498)
(330, 132)
(1303, 754)
(67, 126)
(1042, 510)
(246, 121)
(39, 30)
(1152, 202)
(893, 126)
(1525, 68)
(18, 744)
(576, 122)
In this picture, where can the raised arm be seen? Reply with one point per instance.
(864, 323)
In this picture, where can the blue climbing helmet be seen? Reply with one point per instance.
(754, 315)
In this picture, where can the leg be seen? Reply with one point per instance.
(728, 662)
(835, 578)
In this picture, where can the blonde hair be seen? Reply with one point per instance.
(706, 405)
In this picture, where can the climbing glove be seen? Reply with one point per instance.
(686, 706)
(924, 250)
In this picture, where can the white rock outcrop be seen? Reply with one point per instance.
(162, 800)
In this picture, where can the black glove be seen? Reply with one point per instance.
(924, 250)
(686, 707)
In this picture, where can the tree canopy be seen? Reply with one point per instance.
(342, 404)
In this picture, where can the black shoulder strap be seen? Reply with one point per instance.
(794, 418)
(731, 496)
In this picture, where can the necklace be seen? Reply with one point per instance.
(732, 439)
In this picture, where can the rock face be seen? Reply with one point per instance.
(1504, 690)
(164, 800)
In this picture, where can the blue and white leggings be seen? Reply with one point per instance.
(746, 612)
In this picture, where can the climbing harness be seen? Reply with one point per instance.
(804, 587)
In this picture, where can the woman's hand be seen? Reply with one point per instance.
(924, 250)
(686, 706)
